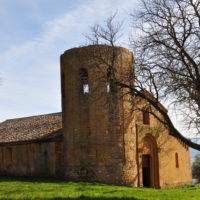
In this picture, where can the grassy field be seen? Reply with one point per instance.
(57, 189)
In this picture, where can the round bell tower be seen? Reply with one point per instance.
(98, 136)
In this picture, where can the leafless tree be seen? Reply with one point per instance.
(166, 57)
(167, 51)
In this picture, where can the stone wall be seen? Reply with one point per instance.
(170, 174)
(93, 123)
(41, 159)
(103, 140)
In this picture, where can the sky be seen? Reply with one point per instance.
(34, 33)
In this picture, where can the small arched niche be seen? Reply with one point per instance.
(176, 160)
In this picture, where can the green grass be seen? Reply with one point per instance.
(58, 189)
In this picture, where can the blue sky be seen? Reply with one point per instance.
(34, 33)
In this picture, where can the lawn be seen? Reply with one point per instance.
(58, 189)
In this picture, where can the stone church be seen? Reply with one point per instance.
(96, 137)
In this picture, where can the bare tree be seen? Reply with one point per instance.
(167, 52)
(161, 70)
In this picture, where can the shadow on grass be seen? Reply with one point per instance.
(80, 198)
(47, 180)
(32, 179)
(55, 180)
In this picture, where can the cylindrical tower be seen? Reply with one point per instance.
(99, 144)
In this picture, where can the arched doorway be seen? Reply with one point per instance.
(150, 166)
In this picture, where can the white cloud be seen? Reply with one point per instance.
(30, 71)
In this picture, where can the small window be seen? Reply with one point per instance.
(146, 117)
(108, 87)
(85, 88)
(176, 160)
(84, 80)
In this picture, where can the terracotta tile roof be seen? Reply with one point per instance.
(39, 127)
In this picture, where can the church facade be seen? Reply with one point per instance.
(99, 136)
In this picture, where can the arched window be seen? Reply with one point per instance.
(146, 117)
(84, 80)
(176, 160)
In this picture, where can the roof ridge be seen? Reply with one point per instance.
(7, 120)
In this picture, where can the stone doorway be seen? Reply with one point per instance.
(146, 175)
(150, 166)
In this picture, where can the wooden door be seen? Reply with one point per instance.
(146, 170)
